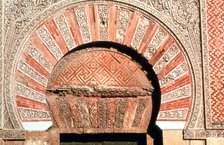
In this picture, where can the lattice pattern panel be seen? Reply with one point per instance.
(98, 68)
(215, 21)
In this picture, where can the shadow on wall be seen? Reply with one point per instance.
(153, 130)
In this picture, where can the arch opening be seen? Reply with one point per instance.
(107, 73)
(117, 91)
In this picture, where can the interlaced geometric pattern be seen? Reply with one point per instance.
(116, 23)
(215, 12)
(99, 67)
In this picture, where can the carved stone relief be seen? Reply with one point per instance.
(179, 16)
(82, 20)
(100, 106)
(46, 37)
(141, 28)
(65, 31)
(159, 37)
(123, 24)
(1, 64)
(184, 13)
(103, 23)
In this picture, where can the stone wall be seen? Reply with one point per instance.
(182, 40)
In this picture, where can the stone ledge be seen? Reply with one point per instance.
(101, 91)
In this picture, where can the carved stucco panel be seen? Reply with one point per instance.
(184, 14)
(26, 28)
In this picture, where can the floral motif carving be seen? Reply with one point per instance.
(122, 25)
(178, 114)
(176, 94)
(121, 110)
(6, 123)
(165, 59)
(111, 113)
(174, 74)
(29, 71)
(139, 111)
(103, 21)
(203, 134)
(65, 31)
(77, 119)
(185, 13)
(92, 105)
(140, 32)
(65, 109)
(47, 39)
(83, 23)
(32, 114)
(21, 12)
(27, 92)
(102, 109)
(156, 42)
(84, 112)
(35, 54)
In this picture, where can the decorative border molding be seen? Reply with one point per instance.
(211, 130)
(203, 134)
(1, 61)
(205, 60)
(12, 134)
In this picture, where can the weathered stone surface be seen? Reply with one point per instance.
(100, 106)
(22, 16)
(69, 24)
